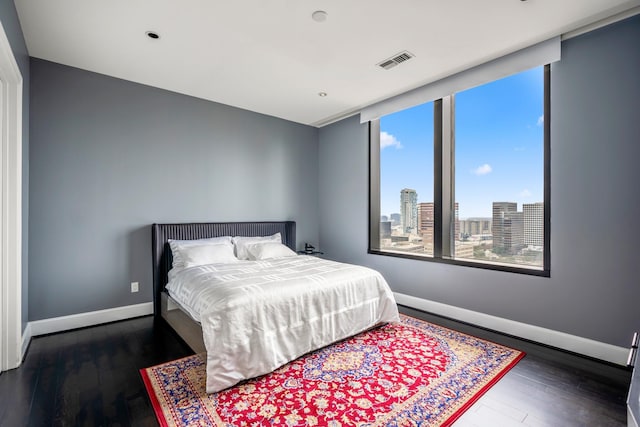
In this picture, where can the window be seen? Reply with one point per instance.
(464, 179)
(406, 176)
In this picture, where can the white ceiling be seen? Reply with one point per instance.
(269, 56)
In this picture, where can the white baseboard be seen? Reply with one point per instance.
(81, 320)
(576, 344)
(26, 339)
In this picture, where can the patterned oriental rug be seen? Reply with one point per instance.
(406, 374)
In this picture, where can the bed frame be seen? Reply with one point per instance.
(163, 306)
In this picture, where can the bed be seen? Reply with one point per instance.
(253, 316)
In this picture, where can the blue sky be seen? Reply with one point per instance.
(499, 147)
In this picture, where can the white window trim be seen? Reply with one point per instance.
(10, 207)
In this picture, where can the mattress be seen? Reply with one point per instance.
(258, 315)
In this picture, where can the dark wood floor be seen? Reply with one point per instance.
(89, 377)
(546, 388)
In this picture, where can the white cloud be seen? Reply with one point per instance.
(525, 193)
(540, 120)
(388, 140)
(483, 170)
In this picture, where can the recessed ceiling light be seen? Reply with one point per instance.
(322, 94)
(319, 16)
(152, 35)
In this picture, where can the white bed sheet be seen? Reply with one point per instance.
(258, 315)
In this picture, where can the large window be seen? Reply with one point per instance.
(406, 179)
(464, 179)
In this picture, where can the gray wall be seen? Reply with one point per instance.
(594, 289)
(11, 26)
(110, 157)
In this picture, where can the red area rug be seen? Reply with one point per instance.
(406, 374)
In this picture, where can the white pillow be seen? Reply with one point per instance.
(241, 243)
(193, 255)
(176, 246)
(267, 250)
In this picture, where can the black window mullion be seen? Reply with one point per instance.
(437, 178)
(546, 255)
(374, 185)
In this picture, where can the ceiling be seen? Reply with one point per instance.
(271, 57)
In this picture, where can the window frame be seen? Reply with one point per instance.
(444, 187)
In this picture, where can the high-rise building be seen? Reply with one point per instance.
(395, 218)
(385, 229)
(425, 221)
(533, 224)
(475, 226)
(507, 227)
(409, 210)
(384, 218)
(425, 226)
(456, 222)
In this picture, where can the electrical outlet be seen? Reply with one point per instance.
(134, 286)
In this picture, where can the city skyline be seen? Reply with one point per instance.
(498, 147)
(388, 216)
(509, 236)
(423, 213)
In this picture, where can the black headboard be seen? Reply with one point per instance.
(161, 233)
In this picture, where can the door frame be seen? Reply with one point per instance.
(10, 207)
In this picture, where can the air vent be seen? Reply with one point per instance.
(399, 58)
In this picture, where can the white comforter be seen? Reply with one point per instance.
(258, 315)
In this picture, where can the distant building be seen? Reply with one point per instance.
(464, 250)
(425, 221)
(426, 218)
(395, 218)
(456, 222)
(425, 226)
(409, 210)
(533, 224)
(507, 227)
(475, 226)
(385, 229)
(384, 218)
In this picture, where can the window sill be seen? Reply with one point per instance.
(531, 271)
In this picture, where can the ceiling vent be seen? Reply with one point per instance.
(399, 58)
